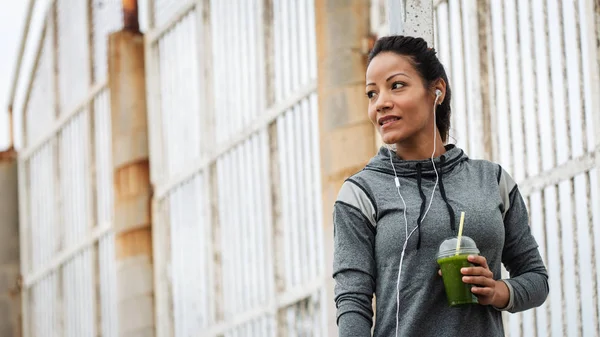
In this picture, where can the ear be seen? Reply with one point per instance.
(440, 85)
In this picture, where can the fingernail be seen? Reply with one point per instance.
(463, 270)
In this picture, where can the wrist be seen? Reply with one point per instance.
(501, 295)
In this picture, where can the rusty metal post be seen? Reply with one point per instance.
(347, 136)
(10, 296)
(130, 16)
(132, 216)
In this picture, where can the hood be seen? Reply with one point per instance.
(408, 168)
(421, 169)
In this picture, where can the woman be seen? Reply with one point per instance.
(390, 218)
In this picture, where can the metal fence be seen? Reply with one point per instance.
(67, 246)
(233, 120)
(526, 94)
(235, 165)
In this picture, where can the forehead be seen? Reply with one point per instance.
(387, 63)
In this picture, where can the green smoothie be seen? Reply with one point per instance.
(457, 292)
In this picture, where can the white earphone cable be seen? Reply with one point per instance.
(408, 235)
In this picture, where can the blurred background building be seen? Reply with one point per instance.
(178, 160)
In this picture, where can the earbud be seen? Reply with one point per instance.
(438, 93)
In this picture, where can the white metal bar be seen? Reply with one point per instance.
(277, 86)
(230, 240)
(590, 13)
(217, 86)
(530, 102)
(565, 171)
(556, 52)
(285, 47)
(163, 187)
(245, 35)
(513, 59)
(18, 61)
(503, 80)
(284, 196)
(263, 230)
(284, 300)
(222, 197)
(315, 146)
(303, 50)
(242, 226)
(291, 227)
(255, 219)
(227, 235)
(301, 205)
(155, 34)
(473, 95)
(309, 187)
(174, 213)
(38, 51)
(582, 245)
(294, 47)
(67, 254)
(62, 121)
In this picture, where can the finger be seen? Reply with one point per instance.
(440, 272)
(477, 271)
(479, 281)
(479, 260)
(482, 291)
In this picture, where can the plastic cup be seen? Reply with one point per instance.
(451, 261)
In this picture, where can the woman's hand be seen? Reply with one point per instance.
(487, 290)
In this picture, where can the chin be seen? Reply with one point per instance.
(392, 138)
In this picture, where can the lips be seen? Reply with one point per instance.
(387, 120)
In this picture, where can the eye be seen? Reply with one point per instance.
(397, 85)
(371, 94)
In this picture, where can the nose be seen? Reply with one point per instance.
(383, 103)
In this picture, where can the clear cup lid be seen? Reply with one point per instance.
(448, 247)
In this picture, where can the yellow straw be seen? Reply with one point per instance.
(460, 229)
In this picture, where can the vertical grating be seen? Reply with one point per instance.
(541, 98)
(243, 35)
(72, 44)
(245, 255)
(39, 108)
(44, 241)
(164, 10)
(77, 274)
(244, 226)
(69, 188)
(107, 18)
(104, 191)
(180, 106)
(295, 66)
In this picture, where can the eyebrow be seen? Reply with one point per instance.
(389, 78)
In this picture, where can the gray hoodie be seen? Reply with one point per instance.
(369, 232)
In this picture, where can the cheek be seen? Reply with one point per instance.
(372, 113)
(413, 110)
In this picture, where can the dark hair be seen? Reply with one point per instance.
(426, 63)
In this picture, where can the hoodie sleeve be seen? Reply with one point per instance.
(354, 261)
(528, 282)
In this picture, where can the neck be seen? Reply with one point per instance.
(419, 149)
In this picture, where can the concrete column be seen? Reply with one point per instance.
(411, 17)
(132, 216)
(10, 297)
(347, 136)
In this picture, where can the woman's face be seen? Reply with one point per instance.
(399, 105)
